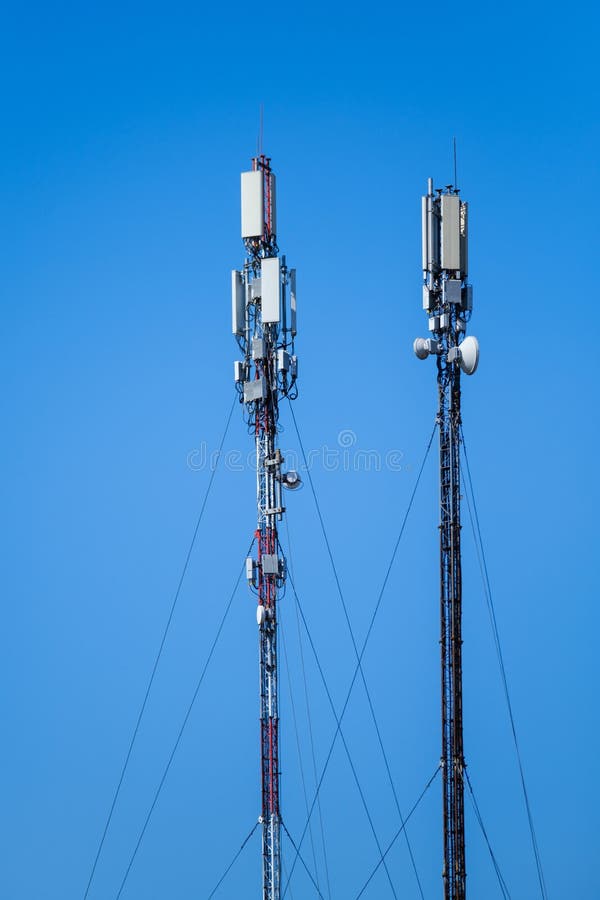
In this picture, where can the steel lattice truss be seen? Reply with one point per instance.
(447, 300)
(450, 629)
(265, 330)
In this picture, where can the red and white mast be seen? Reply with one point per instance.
(264, 323)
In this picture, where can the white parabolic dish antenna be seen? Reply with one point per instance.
(469, 355)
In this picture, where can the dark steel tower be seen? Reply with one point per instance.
(447, 299)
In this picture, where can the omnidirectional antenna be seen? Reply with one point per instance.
(448, 303)
(455, 175)
(264, 323)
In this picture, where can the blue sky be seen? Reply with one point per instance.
(125, 128)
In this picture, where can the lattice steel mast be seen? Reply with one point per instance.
(448, 301)
(264, 322)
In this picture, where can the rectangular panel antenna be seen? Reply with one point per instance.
(293, 301)
(253, 211)
(464, 239)
(238, 303)
(271, 290)
(273, 203)
(450, 205)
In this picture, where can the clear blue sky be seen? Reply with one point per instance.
(125, 127)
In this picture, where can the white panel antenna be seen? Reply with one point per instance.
(238, 303)
(271, 290)
(253, 208)
(293, 308)
(272, 201)
(450, 208)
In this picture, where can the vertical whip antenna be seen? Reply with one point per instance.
(261, 124)
(264, 324)
(455, 175)
(448, 302)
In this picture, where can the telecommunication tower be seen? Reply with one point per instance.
(264, 323)
(448, 302)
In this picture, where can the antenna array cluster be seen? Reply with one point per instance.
(447, 298)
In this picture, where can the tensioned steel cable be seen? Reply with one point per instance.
(370, 628)
(355, 646)
(477, 536)
(233, 862)
(308, 872)
(298, 745)
(308, 715)
(346, 748)
(284, 871)
(479, 818)
(398, 833)
(183, 726)
(361, 654)
(166, 630)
